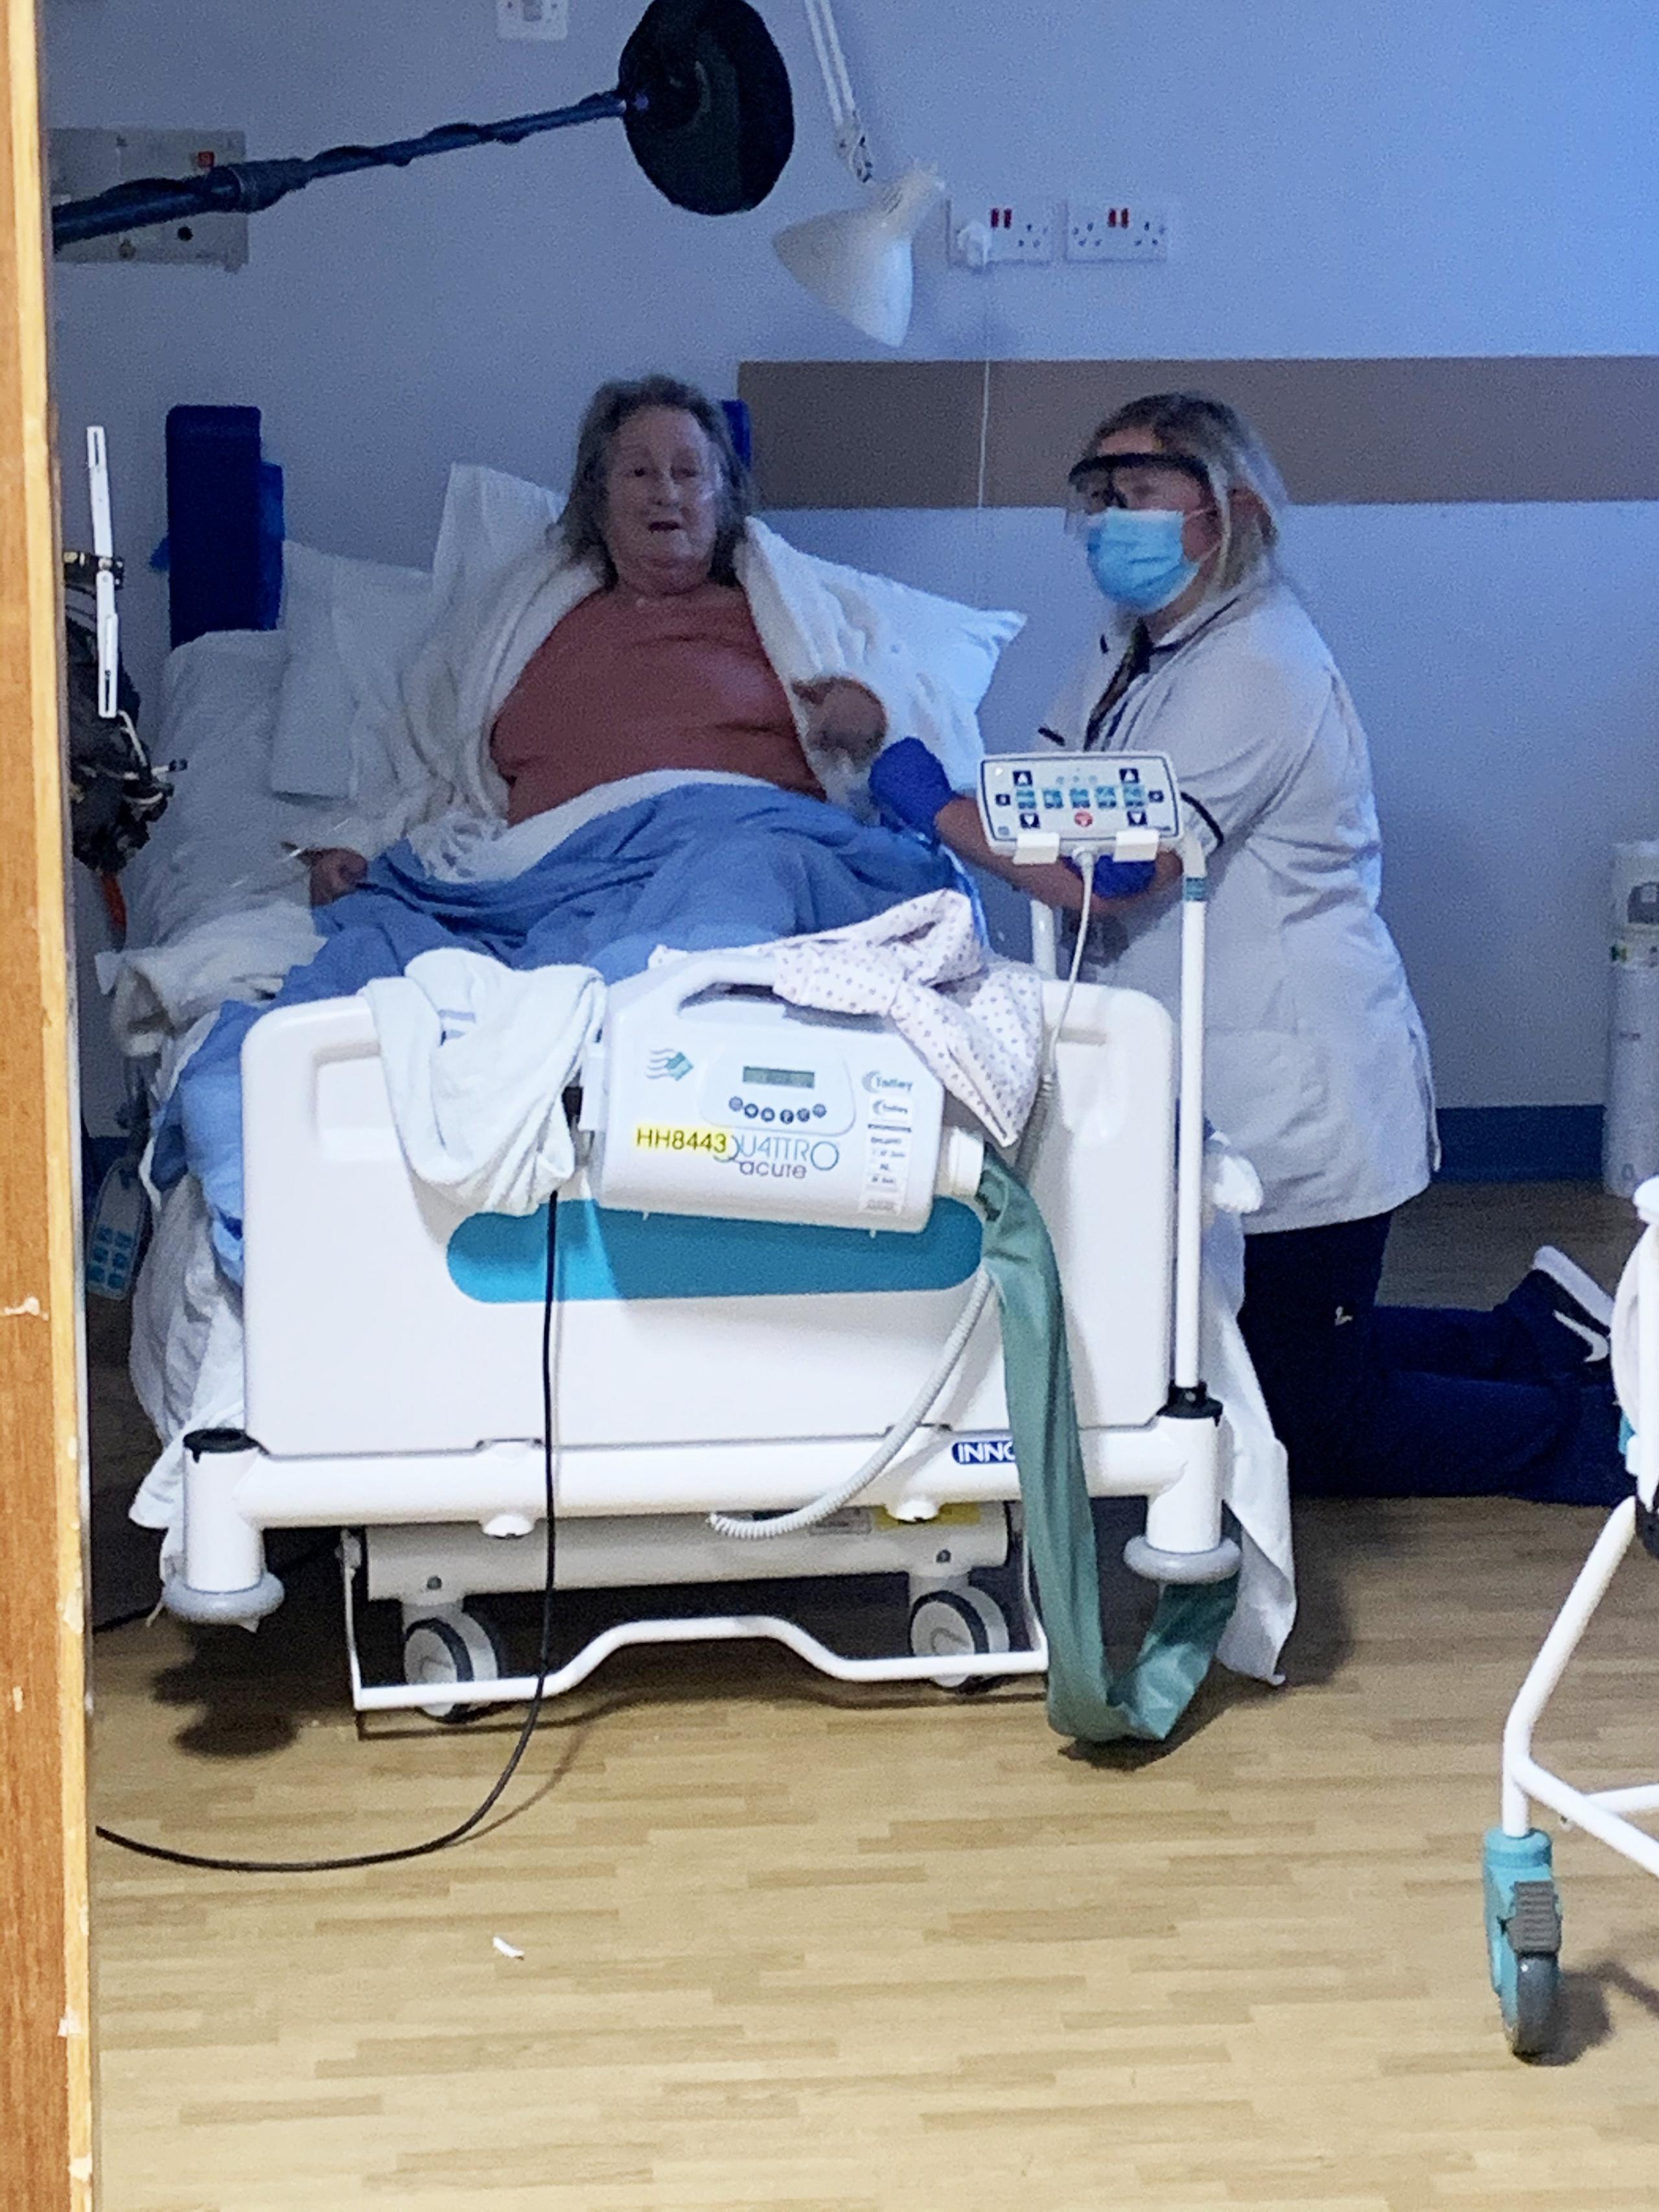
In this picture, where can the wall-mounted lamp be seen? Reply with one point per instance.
(859, 262)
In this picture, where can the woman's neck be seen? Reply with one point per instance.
(1159, 625)
(672, 580)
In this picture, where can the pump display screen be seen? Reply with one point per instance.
(786, 1078)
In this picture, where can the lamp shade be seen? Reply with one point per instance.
(860, 263)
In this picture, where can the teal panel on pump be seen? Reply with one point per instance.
(500, 1259)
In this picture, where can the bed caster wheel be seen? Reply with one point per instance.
(455, 1645)
(1531, 1995)
(953, 1624)
(1523, 1938)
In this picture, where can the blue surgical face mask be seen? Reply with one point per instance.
(1135, 557)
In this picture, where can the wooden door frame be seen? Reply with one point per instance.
(46, 2057)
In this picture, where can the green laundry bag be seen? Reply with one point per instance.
(1084, 1699)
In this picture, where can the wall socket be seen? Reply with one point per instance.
(534, 19)
(1117, 230)
(984, 234)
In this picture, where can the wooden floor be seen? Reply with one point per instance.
(787, 1946)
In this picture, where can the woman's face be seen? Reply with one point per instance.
(661, 500)
(1168, 489)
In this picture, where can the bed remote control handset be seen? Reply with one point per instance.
(1037, 806)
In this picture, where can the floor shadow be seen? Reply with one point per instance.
(1219, 1693)
(1585, 2020)
(250, 1695)
(1330, 1536)
(254, 1692)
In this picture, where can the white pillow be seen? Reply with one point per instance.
(490, 523)
(957, 646)
(218, 845)
(351, 626)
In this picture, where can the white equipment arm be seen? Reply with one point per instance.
(851, 142)
(103, 545)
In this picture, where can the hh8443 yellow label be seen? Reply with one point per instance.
(683, 1137)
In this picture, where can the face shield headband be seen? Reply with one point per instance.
(1096, 484)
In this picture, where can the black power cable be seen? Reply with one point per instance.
(544, 1668)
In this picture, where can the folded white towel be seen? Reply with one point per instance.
(476, 1058)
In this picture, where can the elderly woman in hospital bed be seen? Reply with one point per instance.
(652, 727)
(676, 638)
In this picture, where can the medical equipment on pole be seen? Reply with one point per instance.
(115, 798)
(1523, 1907)
(701, 92)
(1128, 806)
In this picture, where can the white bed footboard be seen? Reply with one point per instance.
(380, 1321)
(393, 1369)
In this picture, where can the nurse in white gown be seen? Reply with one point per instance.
(1317, 1066)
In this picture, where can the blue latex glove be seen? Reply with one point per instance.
(1117, 879)
(908, 785)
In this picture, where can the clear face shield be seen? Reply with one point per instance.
(1138, 481)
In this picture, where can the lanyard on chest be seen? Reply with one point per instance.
(1118, 709)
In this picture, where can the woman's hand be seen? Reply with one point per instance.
(1056, 882)
(335, 870)
(843, 716)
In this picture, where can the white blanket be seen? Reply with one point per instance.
(813, 619)
(477, 1058)
(462, 848)
(186, 1360)
(1255, 1483)
(158, 990)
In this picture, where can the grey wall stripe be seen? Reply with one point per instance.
(907, 433)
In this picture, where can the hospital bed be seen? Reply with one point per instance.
(391, 1369)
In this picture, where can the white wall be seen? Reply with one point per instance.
(1436, 176)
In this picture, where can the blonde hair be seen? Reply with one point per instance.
(1233, 458)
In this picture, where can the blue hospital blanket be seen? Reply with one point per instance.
(697, 868)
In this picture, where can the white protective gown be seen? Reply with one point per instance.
(1317, 1068)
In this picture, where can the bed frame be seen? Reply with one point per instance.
(393, 1375)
